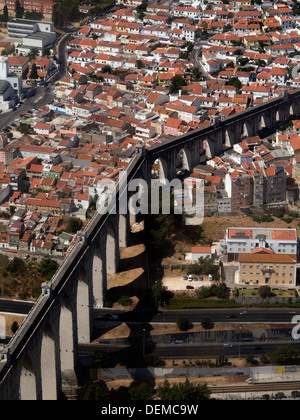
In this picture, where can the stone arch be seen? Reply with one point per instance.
(184, 159)
(294, 109)
(229, 138)
(28, 388)
(247, 130)
(48, 365)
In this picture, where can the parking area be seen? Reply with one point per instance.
(178, 282)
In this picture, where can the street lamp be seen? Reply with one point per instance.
(240, 342)
(144, 341)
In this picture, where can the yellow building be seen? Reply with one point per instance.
(263, 267)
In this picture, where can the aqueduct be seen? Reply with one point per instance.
(42, 357)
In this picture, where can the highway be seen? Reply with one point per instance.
(191, 351)
(273, 315)
(278, 315)
(15, 307)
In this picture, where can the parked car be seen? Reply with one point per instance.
(195, 278)
(190, 278)
(190, 287)
(185, 277)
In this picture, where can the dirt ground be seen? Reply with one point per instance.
(173, 280)
(236, 380)
(214, 227)
(9, 320)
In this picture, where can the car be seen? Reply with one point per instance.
(227, 345)
(13, 124)
(190, 287)
(200, 278)
(244, 313)
(159, 313)
(185, 277)
(190, 278)
(26, 256)
(199, 287)
(195, 278)
(178, 341)
(231, 316)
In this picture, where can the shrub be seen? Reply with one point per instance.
(125, 301)
(183, 324)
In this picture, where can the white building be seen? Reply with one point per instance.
(246, 240)
(14, 81)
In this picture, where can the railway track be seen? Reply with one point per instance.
(270, 386)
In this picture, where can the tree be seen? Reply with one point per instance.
(74, 225)
(234, 81)
(250, 359)
(14, 328)
(176, 82)
(196, 73)
(19, 10)
(186, 391)
(48, 267)
(33, 53)
(16, 266)
(143, 391)
(140, 64)
(33, 74)
(5, 13)
(183, 324)
(264, 291)
(206, 323)
(55, 17)
(283, 354)
(95, 391)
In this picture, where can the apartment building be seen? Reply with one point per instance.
(43, 6)
(266, 268)
(246, 240)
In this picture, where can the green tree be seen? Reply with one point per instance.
(14, 327)
(16, 266)
(176, 83)
(74, 225)
(143, 391)
(206, 323)
(264, 291)
(34, 73)
(283, 354)
(234, 81)
(95, 391)
(19, 10)
(55, 17)
(33, 53)
(196, 74)
(48, 267)
(186, 391)
(5, 13)
(183, 324)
